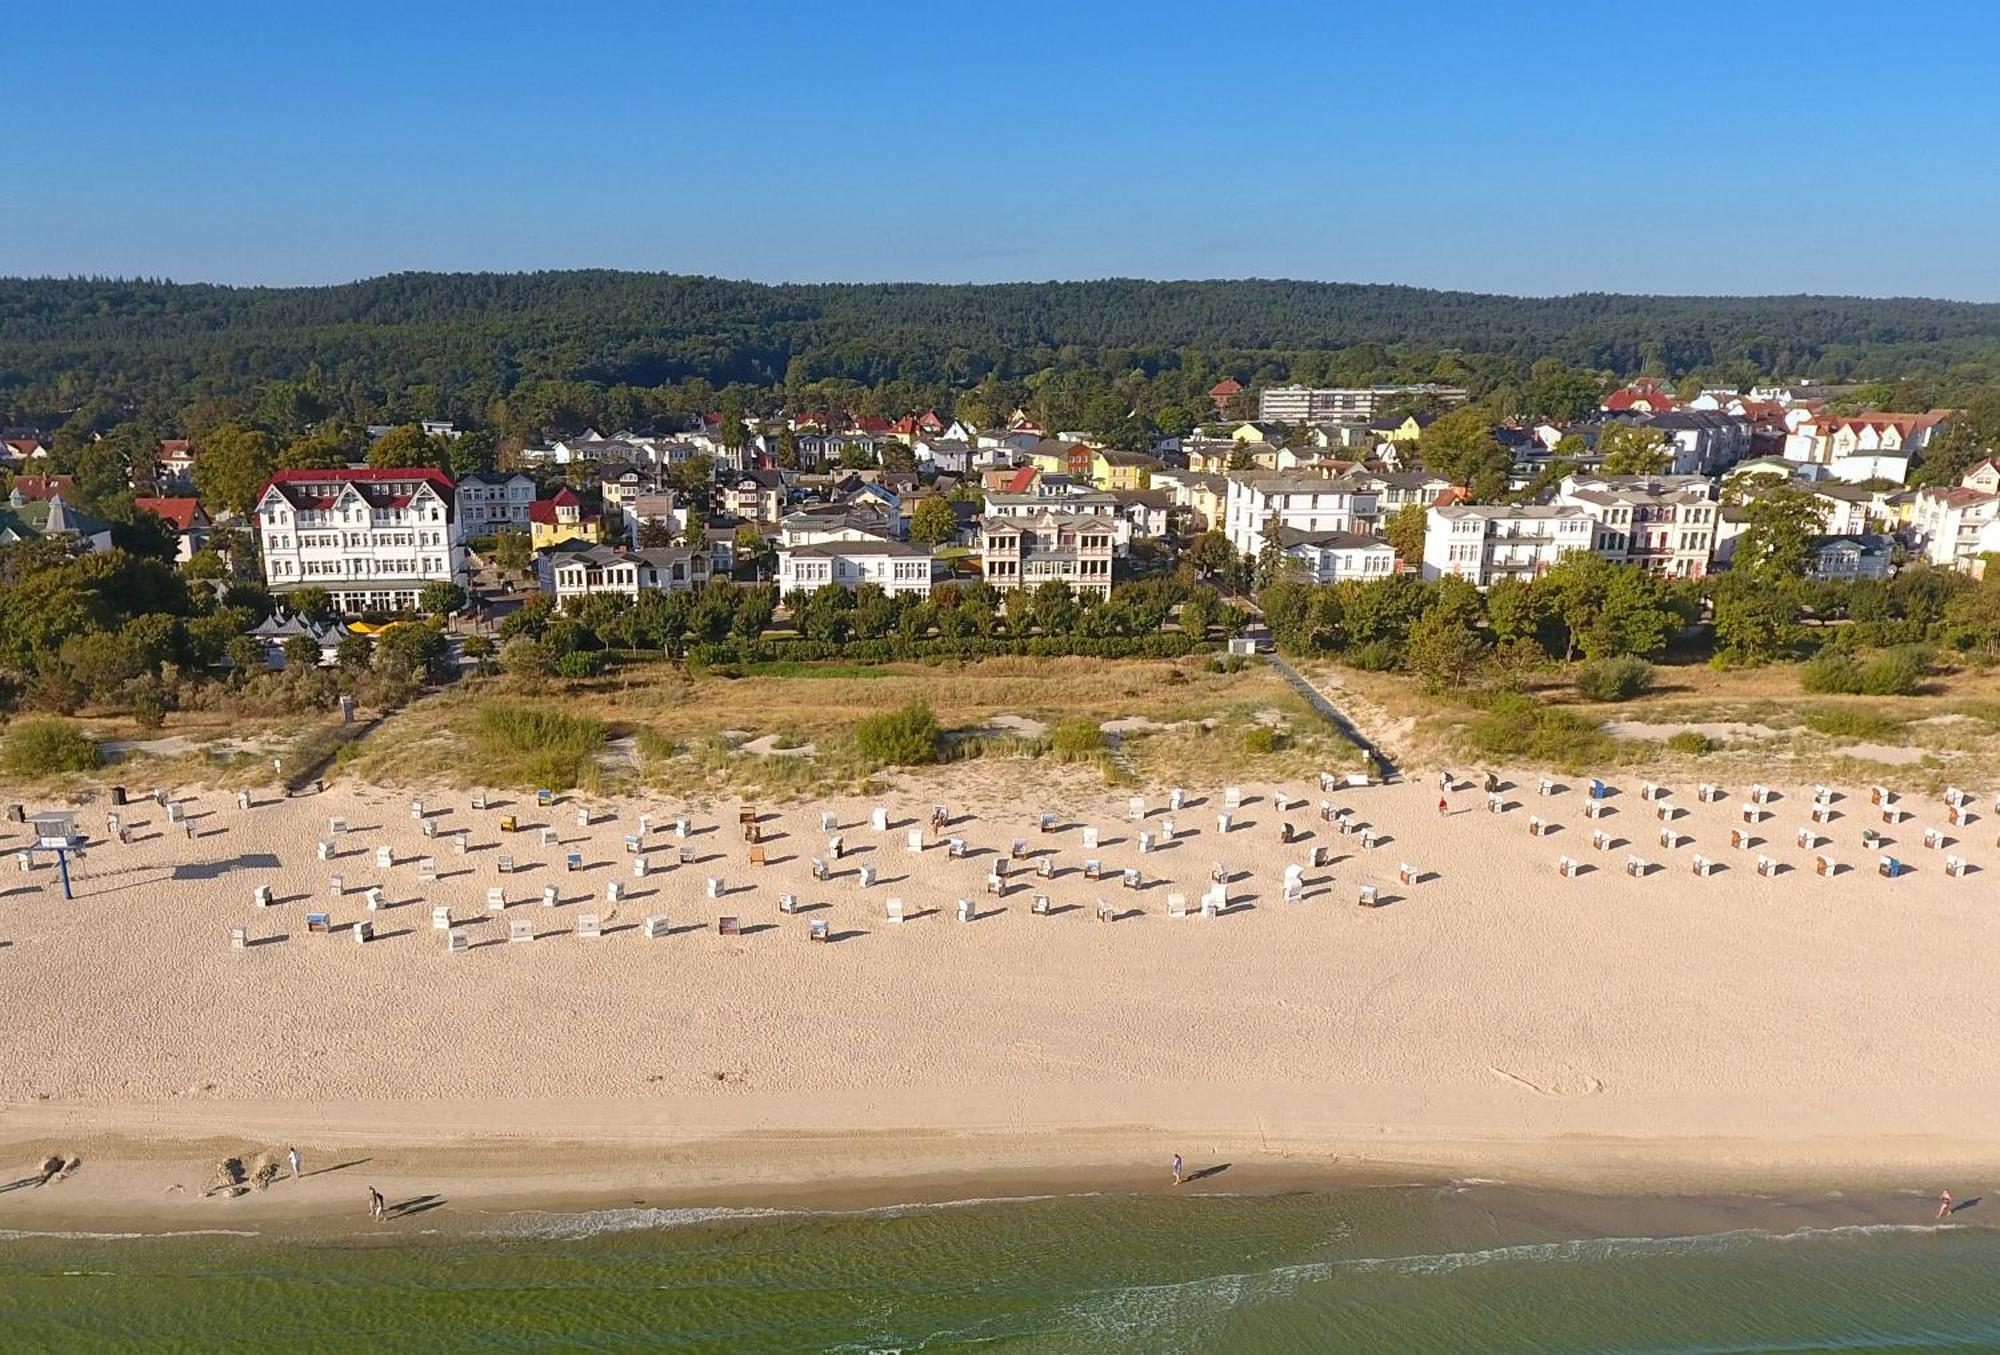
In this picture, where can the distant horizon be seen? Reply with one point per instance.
(360, 279)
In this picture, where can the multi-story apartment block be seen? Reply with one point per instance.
(1343, 404)
(371, 538)
(1304, 503)
(1027, 550)
(1489, 542)
(1701, 442)
(490, 502)
(1955, 523)
(578, 569)
(894, 566)
(1664, 524)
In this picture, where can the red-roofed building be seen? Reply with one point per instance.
(1646, 395)
(1223, 391)
(41, 488)
(17, 450)
(173, 464)
(186, 516)
(373, 538)
(562, 517)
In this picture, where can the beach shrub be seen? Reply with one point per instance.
(1377, 656)
(527, 745)
(1691, 742)
(1076, 741)
(1513, 726)
(1830, 673)
(1263, 740)
(581, 664)
(1615, 679)
(906, 737)
(47, 747)
(1895, 672)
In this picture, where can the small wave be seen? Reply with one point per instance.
(596, 1223)
(593, 1223)
(1620, 1248)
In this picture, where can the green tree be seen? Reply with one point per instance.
(933, 523)
(1443, 650)
(473, 452)
(1210, 555)
(441, 598)
(1633, 449)
(512, 553)
(1776, 541)
(1404, 530)
(301, 652)
(1606, 609)
(404, 445)
(233, 467)
(311, 602)
(1460, 446)
(323, 449)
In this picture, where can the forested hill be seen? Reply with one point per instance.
(475, 335)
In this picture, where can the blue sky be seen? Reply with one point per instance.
(1515, 147)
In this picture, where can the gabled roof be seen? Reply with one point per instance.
(311, 488)
(184, 514)
(36, 488)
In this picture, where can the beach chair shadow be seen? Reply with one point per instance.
(621, 927)
(757, 927)
(920, 913)
(848, 935)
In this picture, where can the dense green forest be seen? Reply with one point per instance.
(536, 351)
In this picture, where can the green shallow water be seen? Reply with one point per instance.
(1405, 1269)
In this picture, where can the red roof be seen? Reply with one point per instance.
(1228, 386)
(1021, 481)
(1652, 396)
(872, 423)
(544, 510)
(36, 488)
(176, 447)
(373, 484)
(181, 512)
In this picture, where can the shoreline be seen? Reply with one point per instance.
(141, 1175)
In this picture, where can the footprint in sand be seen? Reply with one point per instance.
(1567, 1082)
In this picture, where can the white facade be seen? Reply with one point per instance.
(1952, 523)
(891, 565)
(1027, 551)
(1337, 404)
(574, 570)
(1301, 503)
(1666, 525)
(1338, 557)
(1492, 542)
(492, 503)
(372, 538)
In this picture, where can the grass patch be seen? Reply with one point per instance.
(1690, 742)
(799, 668)
(1076, 741)
(1853, 723)
(525, 745)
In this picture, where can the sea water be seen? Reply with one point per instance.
(1408, 1269)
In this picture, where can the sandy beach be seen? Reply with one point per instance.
(1494, 1018)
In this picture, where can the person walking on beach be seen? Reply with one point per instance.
(294, 1154)
(376, 1205)
(1444, 805)
(1944, 1204)
(1177, 1168)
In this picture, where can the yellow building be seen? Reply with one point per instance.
(562, 518)
(1121, 470)
(1409, 430)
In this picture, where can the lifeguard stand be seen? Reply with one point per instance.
(55, 831)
